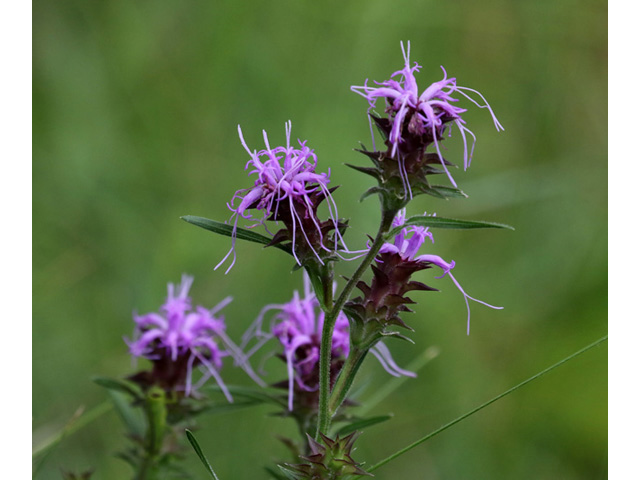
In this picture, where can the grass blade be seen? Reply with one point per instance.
(362, 424)
(486, 404)
(203, 459)
(120, 385)
(78, 421)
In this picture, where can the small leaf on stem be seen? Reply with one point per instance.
(227, 230)
(201, 456)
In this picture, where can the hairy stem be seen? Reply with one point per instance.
(324, 414)
(327, 285)
(347, 375)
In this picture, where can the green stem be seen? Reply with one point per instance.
(156, 410)
(324, 415)
(486, 404)
(321, 277)
(347, 375)
(327, 285)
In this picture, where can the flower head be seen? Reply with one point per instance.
(425, 115)
(287, 189)
(179, 337)
(298, 325)
(406, 245)
(396, 262)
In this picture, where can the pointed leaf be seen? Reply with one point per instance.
(382, 124)
(132, 416)
(371, 191)
(275, 474)
(227, 230)
(434, 158)
(119, 385)
(129, 458)
(198, 450)
(441, 222)
(448, 191)
(432, 192)
(375, 157)
(363, 423)
(289, 474)
(399, 336)
(374, 172)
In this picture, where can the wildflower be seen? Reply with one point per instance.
(288, 189)
(419, 119)
(298, 327)
(394, 265)
(179, 338)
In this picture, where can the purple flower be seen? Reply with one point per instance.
(179, 337)
(289, 189)
(298, 327)
(407, 243)
(423, 113)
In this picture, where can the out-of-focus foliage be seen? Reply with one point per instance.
(136, 107)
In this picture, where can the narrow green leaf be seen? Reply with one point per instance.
(289, 474)
(275, 474)
(371, 191)
(119, 385)
(445, 192)
(398, 335)
(450, 191)
(129, 458)
(363, 423)
(373, 172)
(131, 416)
(441, 222)
(203, 459)
(227, 230)
(433, 192)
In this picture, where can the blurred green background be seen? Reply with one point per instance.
(136, 106)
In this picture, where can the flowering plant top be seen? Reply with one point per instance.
(406, 245)
(298, 326)
(424, 115)
(289, 189)
(323, 336)
(179, 337)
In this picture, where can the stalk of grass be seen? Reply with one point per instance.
(485, 404)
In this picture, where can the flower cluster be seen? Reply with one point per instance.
(297, 325)
(385, 298)
(321, 337)
(419, 119)
(288, 189)
(179, 338)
